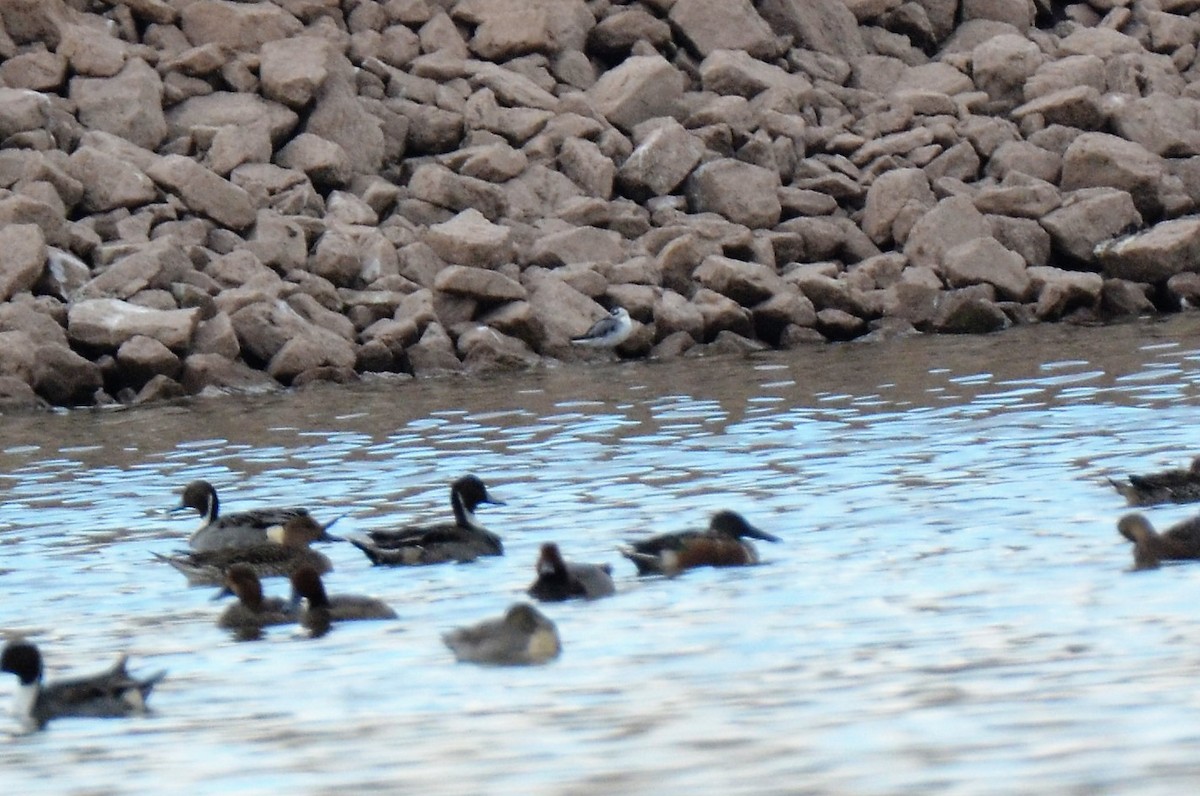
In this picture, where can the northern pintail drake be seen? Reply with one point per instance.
(284, 550)
(608, 332)
(558, 579)
(320, 609)
(462, 540)
(1168, 486)
(1179, 542)
(109, 694)
(522, 636)
(723, 544)
(241, 529)
(252, 612)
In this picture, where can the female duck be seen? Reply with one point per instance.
(241, 529)
(109, 694)
(462, 540)
(1179, 542)
(284, 549)
(558, 579)
(321, 610)
(723, 544)
(522, 636)
(1168, 486)
(252, 612)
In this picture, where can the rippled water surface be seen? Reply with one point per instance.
(949, 612)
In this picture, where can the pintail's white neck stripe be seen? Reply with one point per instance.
(24, 701)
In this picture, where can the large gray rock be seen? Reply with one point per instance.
(63, 377)
(24, 248)
(291, 70)
(746, 283)
(128, 105)
(106, 323)
(641, 88)
(892, 194)
(826, 26)
(952, 221)
(577, 245)
(1088, 217)
(986, 261)
(741, 192)
(1155, 255)
(1163, 124)
(470, 239)
(508, 28)
(204, 192)
(661, 162)
(1099, 159)
(710, 25)
(237, 26)
(438, 185)
(479, 284)
(108, 181)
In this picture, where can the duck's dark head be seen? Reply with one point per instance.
(306, 584)
(550, 562)
(241, 580)
(1135, 527)
(22, 659)
(471, 491)
(730, 523)
(200, 496)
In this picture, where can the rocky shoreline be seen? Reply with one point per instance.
(202, 194)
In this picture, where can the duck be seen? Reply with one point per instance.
(108, 694)
(1179, 542)
(559, 580)
(608, 332)
(462, 540)
(1169, 486)
(240, 529)
(723, 544)
(321, 610)
(522, 637)
(284, 549)
(252, 612)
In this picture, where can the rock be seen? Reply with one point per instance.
(1002, 65)
(1088, 217)
(17, 395)
(746, 283)
(470, 239)
(237, 27)
(486, 350)
(641, 88)
(106, 323)
(479, 284)
(203, 191)
(1164, 250)
(986, 261)
(508, 28)
(1060, 292)
(314, 349)
(434, 353)
(291, 70)
(440, 186)
(1099, 159)
(1165, 125)
(128, 105)
(63, 377)
(952, 221)
(893, 194)
(577, 245)
(588, 167)
(661, 162)
(826, 26)
(203, 372)
(142, 358)
(225, 108)
(24, 248)
(710, 25)
(108, 181)
(741, 192)
(968, 311)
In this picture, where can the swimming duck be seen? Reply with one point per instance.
(462, 540)
(284, 549)
(109, 694)
(522, 636)
(322, 610)
(252, 612)
(241, 529)
(724, 544)
(562, 580)
(1168, 486)
(608, 332)
(1180, 541)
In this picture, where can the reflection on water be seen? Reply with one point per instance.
(949, 611)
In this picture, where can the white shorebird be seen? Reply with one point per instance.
(608, 332)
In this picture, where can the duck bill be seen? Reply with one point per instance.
(222, 594)
(177, 509)
(755, 533)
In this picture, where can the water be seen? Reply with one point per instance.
(949, 612)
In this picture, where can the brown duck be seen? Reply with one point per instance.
(1179, 542)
